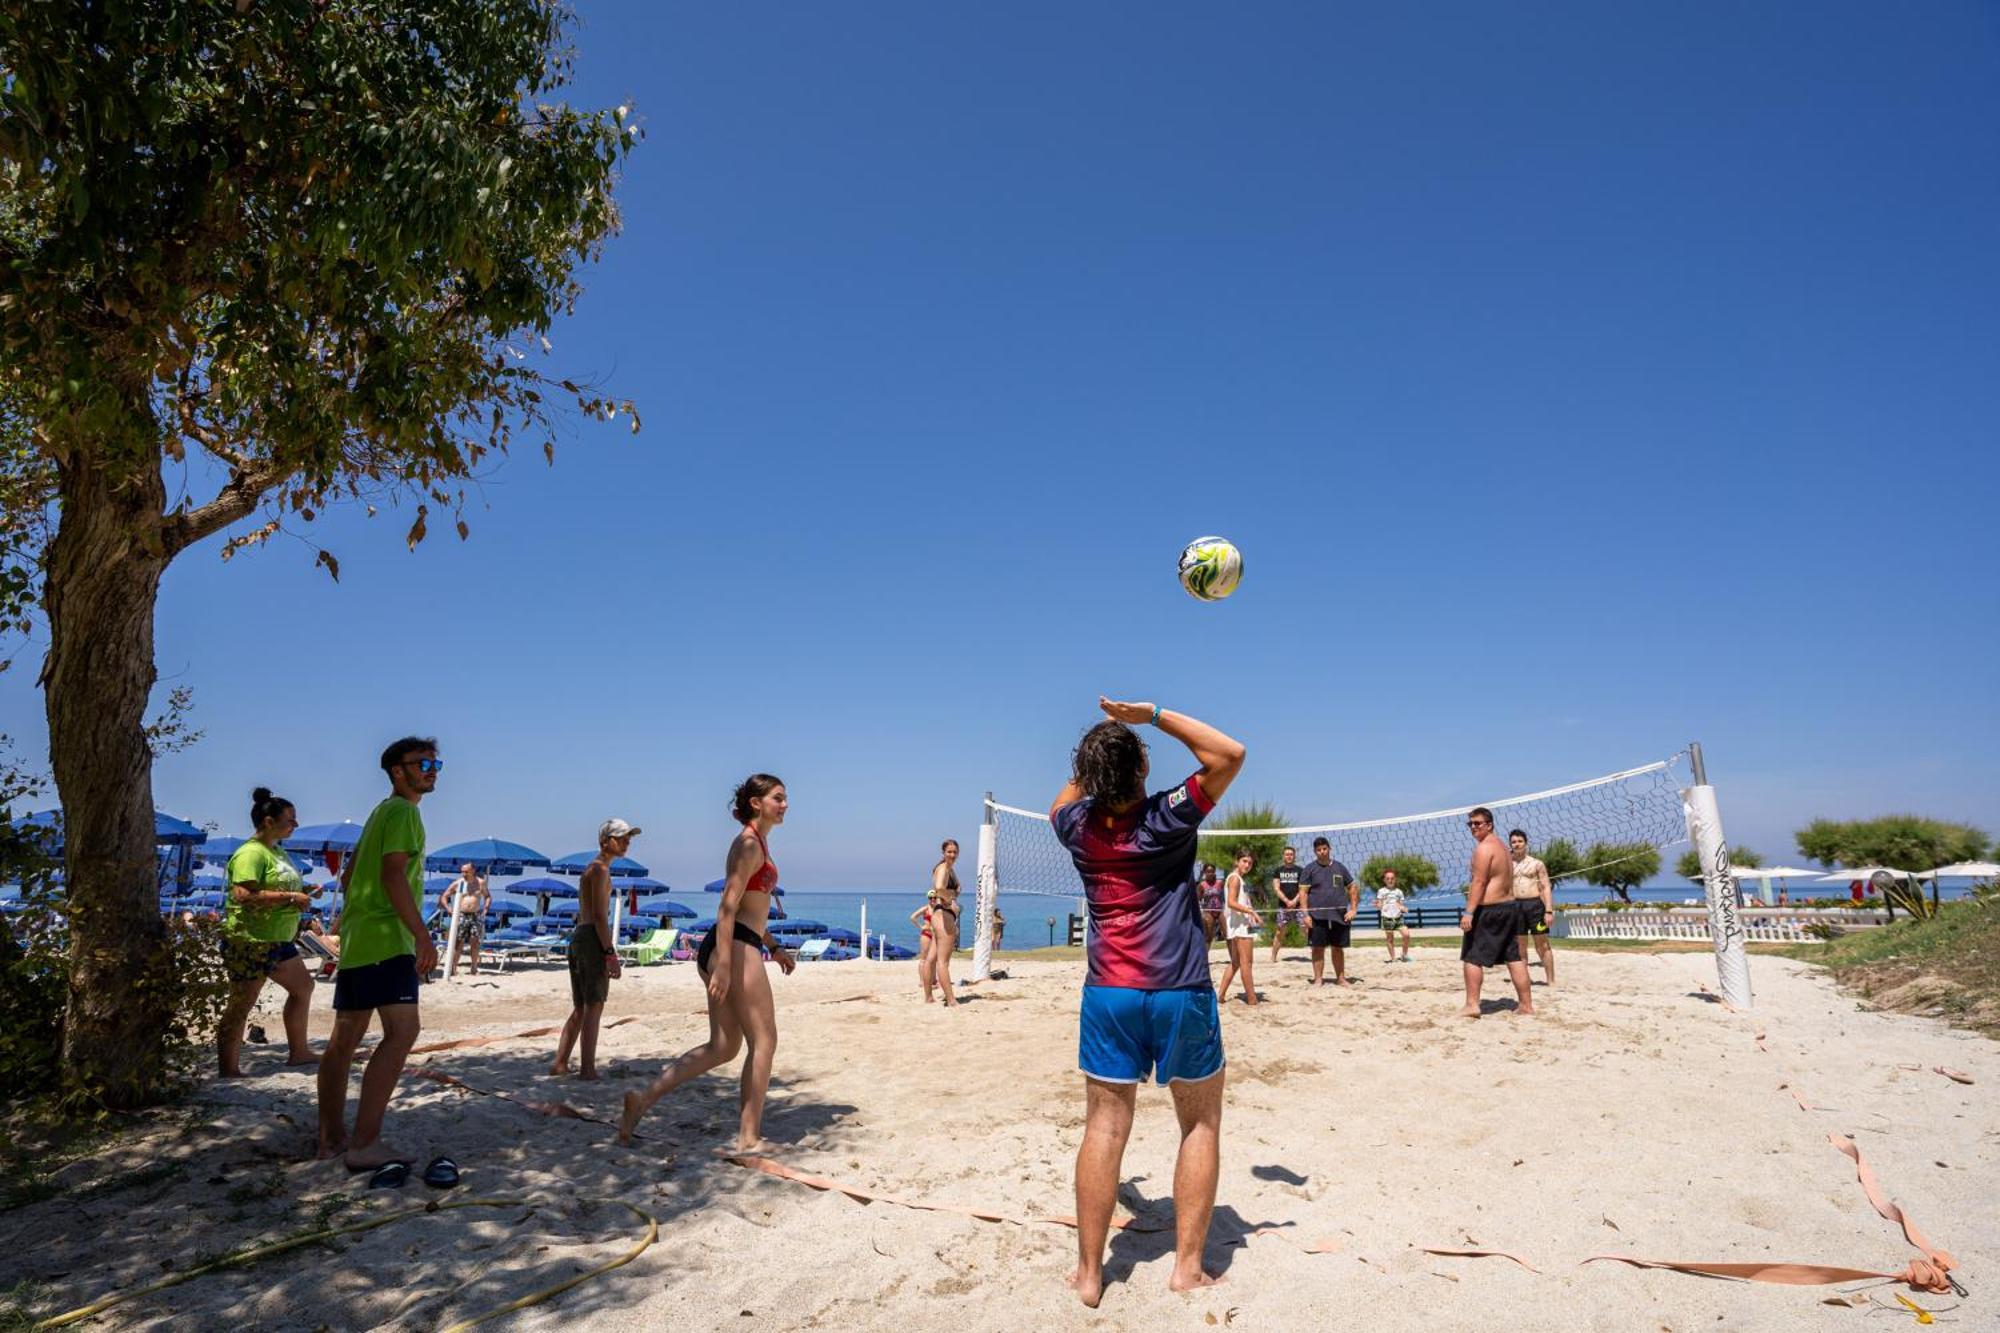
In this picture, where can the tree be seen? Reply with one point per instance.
(276, 254)
(1689, 866)
(1268, 848)
(1620, 866)
(1561, 857)
(1900, 842)
(1413, 872)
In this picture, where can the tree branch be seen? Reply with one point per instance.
(234, 501)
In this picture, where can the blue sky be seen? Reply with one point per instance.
(1577, 381)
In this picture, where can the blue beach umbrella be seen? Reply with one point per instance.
(168, 831)
(842, 935)
(666, 907)
(702, 927)
(485, 854)
(623, 867)
(318, 839)
(555, 888)
(799, 927)
(643, 884)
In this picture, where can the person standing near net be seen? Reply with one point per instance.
(941, 921)
(1332, 898)
(1389, 906)
(1240, 922)
(1148, 1004)
(1489, 917)
(1285, 883)
(1209, 890)
(740, 1008)
(1535, 901)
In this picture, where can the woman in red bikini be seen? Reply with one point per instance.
(740, 1009)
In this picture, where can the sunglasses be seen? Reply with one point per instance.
(1478, 823)
(426, 765)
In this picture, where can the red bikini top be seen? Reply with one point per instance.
(766, 877)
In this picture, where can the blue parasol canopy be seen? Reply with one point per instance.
(794, 926)
(168, 831)
(622, 867)
(666, 907)
(484, 854)
(842, 935)
(643, 884)
(555, 888)
(317, 838)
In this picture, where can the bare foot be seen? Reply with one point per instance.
(1470, 1011)
(628, 1119)
(558, 1069)
(1200, 1279)
(301, 1061)
(1524, 1011)
(329, 1150)
(588, 1076)
(231, 1073)
(1342, 981)
(1089, 1288)
(375, 1154)
(753, 1148)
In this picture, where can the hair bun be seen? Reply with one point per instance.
(260, 795)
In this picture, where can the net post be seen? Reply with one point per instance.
(989, 889)
(1725, 920)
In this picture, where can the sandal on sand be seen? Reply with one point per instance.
(389, 1176)
(441, 1174)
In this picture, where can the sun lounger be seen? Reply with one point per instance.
(655, 945)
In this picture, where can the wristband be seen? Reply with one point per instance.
(1154, 720)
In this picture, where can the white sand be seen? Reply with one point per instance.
(1633, 1117)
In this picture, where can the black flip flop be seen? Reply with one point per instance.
(389, 1176)
(441, 1174)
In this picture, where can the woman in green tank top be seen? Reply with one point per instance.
(259, 925)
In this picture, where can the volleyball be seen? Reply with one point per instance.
(1210, 568)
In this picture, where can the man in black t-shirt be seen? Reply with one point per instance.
(1291, 907)
(1332, 898)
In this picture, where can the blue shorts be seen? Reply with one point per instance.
(1125, 1034)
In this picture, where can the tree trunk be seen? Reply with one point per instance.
(104, 567)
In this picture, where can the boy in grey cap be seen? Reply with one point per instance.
(593, 953)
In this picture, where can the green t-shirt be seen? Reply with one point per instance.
(267, 872)
(370, 930)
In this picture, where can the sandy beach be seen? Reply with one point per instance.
(1637, 1116)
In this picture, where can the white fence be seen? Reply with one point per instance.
(1781, 924)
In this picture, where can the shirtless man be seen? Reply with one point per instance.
(1489, 917)
(468, 895)
(593, 953)
(1534, 902)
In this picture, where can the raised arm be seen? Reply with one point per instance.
(1220, 756)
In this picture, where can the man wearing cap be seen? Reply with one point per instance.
(593, 952)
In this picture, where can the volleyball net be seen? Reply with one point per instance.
(1606, 830)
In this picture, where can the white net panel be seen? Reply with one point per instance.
(1638, 808)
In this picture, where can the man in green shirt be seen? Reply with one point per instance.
(384, 952)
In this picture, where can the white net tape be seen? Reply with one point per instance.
(1638, 808)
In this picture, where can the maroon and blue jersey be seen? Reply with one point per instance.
(1145, 927)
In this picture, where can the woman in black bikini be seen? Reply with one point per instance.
(740, 1008)
(943, 921)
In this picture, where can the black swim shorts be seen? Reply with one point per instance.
(1334, 932)
(391, 981)
(1492, 939)
(1529, 911)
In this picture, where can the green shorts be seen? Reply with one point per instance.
(1392, 924)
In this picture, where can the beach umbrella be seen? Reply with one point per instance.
(667, 908)
(168, 831)
(643, 884)
(1965, 870)
(1863, 873)
(544, 884)
(621, 867)
(1769, 873)
(702, 927)
(799, 927)
(317, 839)
(842, 935)
(485, 854)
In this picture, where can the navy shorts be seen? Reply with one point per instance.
(391, 981)
(1126, 1034)
(253, 960)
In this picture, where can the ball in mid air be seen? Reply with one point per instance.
(1210, 568)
